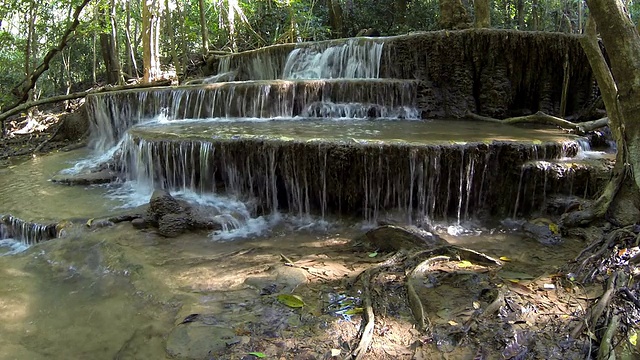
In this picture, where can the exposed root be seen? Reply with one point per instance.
(366, 332)
(495, 306)
(546, 119)
(419, 314)
(596, 311)
(607, 243)
(607, 348)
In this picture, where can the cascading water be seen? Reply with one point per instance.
(357, 58)
(28, 233)
(269, 142)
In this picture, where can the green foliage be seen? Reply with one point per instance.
(262, 23)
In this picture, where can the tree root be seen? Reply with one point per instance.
(422, 320)
(610, 241)
(607, 349)
(445, 253)
(543, 118)
(366, 331)
(596, 311)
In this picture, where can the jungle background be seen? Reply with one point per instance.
(107, 45)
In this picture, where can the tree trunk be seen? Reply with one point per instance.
(150, 39)
(622, 42)
(335, 18)
(400, 13)
(31, 20)
(114, 43)
(107, 49)
(131, 58)
(520, 14)
(482, 12)
(534, 15)
(231, 23)
(453, 15)
(204, 29)
(172, 39)
(620, 87)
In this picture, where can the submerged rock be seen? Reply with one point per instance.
(99, 177)
(196, 340)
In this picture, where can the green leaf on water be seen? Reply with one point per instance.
(292, 301)
(258, 354)
(373, 254)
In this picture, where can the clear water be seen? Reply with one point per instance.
(382, 131)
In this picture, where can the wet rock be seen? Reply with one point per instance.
(173, 225)
(125, 217)
(196, 340)
(161, 204)
(290, 277)
(389, 238)
(139, 223)
(202, 219)
(542, 233)
(100, 177)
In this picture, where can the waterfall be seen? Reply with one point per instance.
(355, 58)
(26, 232)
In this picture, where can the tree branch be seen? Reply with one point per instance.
(543, 118)
(22, 90)
(25, 106)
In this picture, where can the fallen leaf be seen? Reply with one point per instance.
(258, 354)
(335, 352)
(373, 254)
(633, 338)
(476, 305)
(452, 323)
(292, 301)
(354, 311)
(504, 258)
(465, 263)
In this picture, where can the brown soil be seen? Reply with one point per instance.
(43, 131)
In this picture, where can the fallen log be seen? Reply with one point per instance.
(26, 106)
(546, 119)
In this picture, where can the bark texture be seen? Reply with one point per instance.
(622, 95)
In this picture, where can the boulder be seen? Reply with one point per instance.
(173, 225)
(389, 238)
(161, 204)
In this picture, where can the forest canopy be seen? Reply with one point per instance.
(107, 45)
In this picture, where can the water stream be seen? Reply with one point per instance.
(297, 166)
